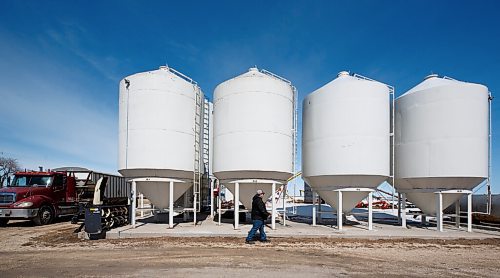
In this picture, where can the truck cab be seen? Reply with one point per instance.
(38, 196)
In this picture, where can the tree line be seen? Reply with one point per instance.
(8, 166)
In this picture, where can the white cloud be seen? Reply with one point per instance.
(72, 37)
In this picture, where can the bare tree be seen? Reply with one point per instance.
(8, 166)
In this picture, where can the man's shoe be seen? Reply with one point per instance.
(249, 242)
(266, 241)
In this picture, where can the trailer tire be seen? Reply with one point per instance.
(45, 216)
(3, 222)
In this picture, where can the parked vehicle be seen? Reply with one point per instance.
(42, 196)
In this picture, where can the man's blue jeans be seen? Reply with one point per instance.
(257, 225)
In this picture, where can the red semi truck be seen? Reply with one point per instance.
(38, 196)
(42, 196)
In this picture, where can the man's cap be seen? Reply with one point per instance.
(260, 192)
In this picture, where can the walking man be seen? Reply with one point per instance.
(259, 215)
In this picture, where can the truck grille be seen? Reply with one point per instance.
(7, 198)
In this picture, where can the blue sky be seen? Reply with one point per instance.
(61, 61)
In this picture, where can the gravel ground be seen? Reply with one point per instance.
(55, 251)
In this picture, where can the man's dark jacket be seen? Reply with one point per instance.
(259, 211)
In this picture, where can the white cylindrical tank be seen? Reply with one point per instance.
(441, 138)
(345, 134)
(346, 137)
(156, 125)
(253, 127)
(157, 111)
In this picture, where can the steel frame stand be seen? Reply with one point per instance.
(237, 200)
(340, 198)
(171, 198)
(439, 207)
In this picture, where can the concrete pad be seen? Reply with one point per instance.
(297, 228)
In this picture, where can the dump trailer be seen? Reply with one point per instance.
(42, 196)
(103, 214)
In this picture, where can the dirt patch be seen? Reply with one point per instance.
(56, 251)
(66, 237)
(63, 236)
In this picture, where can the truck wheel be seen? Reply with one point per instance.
(3, 222)
(45, 216)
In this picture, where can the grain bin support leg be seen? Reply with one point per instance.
(370, 211)
(457, 213)
(195, 208)
(141, 203)
(236, 205)
(339, 211)
(212, 200)
(133, 204)
(320, 218)
(219, 206)
(403, 210)
(273, 207)
(186, 203)
(439, 211)
(171, 205)
(283, 192)
(399, 208)
(469, 212)
(314, 209)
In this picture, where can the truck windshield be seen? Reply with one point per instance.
(27, 181)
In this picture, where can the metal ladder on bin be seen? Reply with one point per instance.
(197, 173)
(206, 147)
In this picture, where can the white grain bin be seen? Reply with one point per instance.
(346, 138)
(441, 140)
(157, 131)
(253, 131)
